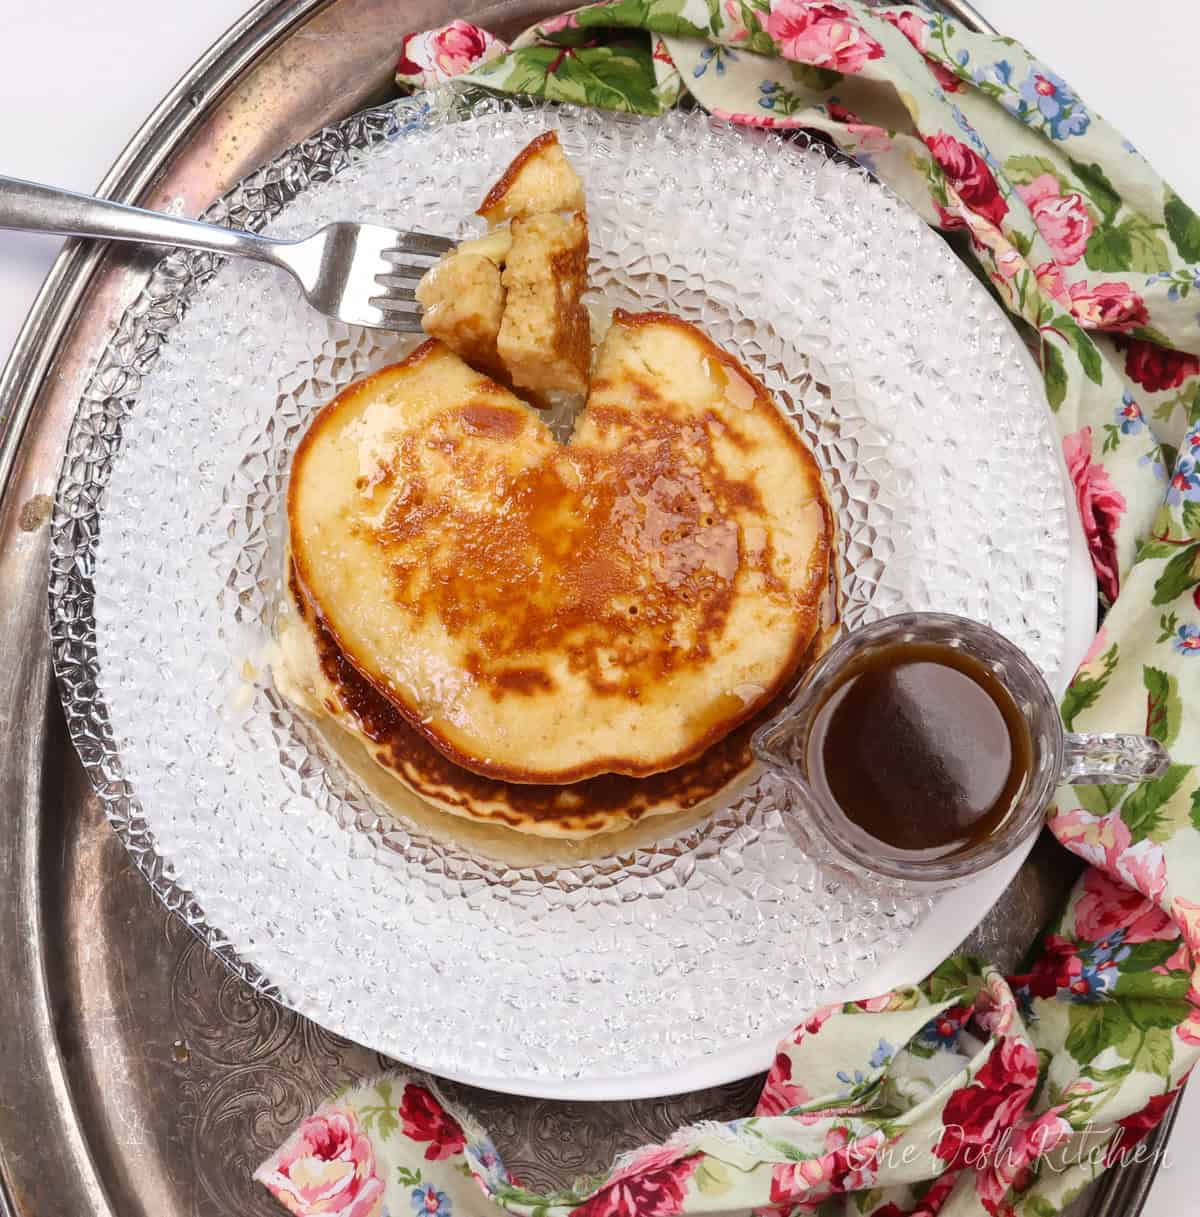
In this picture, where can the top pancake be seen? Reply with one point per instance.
(313, 674)
(543, 613)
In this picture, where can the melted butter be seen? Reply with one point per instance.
(748, 692)
(494, 246)
(717, 711)
(296, 667)
(600, 322)
(371, 436)
(740, 393)
(731, 387)
(714, 371)
(567, 470)
(754, 537)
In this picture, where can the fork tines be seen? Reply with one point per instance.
(397, 301)
(399, 287)
(419, 243)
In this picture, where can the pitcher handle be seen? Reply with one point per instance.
(1098, 758)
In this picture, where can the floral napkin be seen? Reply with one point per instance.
(971, 1093)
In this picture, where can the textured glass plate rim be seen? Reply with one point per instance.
(104, 767)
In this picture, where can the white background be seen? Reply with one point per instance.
(78, 77)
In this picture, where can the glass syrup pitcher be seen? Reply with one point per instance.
(907, 725)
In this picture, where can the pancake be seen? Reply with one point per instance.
(545, 341)
(546, 614)
(540, 179)
(463, 302)
(511, 302)
(312, 673)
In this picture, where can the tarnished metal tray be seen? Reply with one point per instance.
(137, 1075)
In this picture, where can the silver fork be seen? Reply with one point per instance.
(363, 274)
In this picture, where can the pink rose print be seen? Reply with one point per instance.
(1101, 506)
(559, 22)
(459, 46)
(815, 1021)
(1050, 279)
(1080, 1089)
(1107, 906)
(914, 27)
(1098, 647)
(883, 1003)
(653, 1185)
(754, 120)
(995, 1009)
(1107, 306)
(1058, 967)
(1187, 915)
(931, 1203)
(1189, 1030)
(1010, 1166)
(868, 137)
(1063, 219)
(986, 236)
(326, 1169)
(1180, 960)
(969, 175)
(946, 78)
(435, 56)
(780, 1093)
(736, 31)
(824, 35)
(1144, 867)
(848, 1165)
(975, 1115)
(422, 1118)
(1009, 262)
(1097, 839)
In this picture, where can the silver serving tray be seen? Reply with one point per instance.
(137, 1075)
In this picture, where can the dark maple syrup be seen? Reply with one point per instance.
(922, 747)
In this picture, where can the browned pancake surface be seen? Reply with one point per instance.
(542, 613)
(595, 805)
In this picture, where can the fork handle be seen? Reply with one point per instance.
(36, 208)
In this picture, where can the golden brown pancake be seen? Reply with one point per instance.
(511, 302)
(318, 677)
(545, 341)
(540, 179)
(463, 302)
(547, 614)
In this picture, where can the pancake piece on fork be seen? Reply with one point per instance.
(510, 302)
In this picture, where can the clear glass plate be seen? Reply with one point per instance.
(675, 960)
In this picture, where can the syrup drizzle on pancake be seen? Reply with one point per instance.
(545, 612)
(599, 804)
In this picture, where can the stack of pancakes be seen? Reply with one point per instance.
(560, 638)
